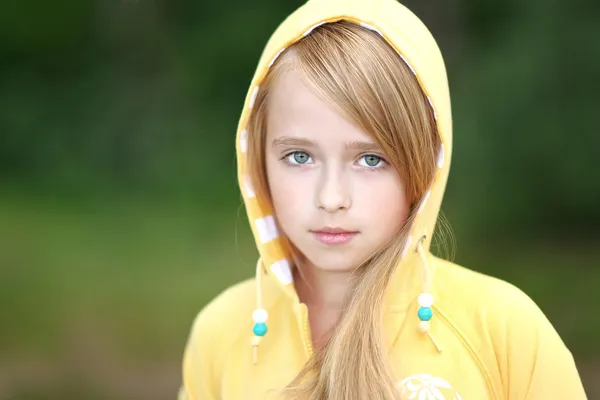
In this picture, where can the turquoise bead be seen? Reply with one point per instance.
(260, 329)
(425, 313)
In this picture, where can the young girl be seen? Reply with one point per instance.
(344, 151)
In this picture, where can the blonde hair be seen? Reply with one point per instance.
(363, 78)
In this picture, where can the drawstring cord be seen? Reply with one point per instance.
(259, 315)
(425, 313)
(426, 299)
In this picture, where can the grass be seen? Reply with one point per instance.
(99, 296)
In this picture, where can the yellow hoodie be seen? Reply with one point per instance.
(488, 339)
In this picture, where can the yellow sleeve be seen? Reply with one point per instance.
(200, 366)
(537, 363)
(554, 374)
(213, 333)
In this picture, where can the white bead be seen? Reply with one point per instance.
(425, 300)
(260, 316)
(424, 326)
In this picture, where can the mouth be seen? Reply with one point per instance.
(334, 236)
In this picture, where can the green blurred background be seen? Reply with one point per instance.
(119, 211)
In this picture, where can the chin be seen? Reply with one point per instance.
(334, 262)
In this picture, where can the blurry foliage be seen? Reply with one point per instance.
(145, 95)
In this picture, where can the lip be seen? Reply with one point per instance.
(334, 236)
(332, 230)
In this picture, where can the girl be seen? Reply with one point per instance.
(343, 155)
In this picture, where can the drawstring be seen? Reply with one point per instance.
(426, 299)
(259, 315)
(425, 313)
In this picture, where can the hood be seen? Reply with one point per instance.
(417, 47)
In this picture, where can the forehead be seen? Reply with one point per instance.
(296, 110)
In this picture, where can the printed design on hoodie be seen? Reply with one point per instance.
(426, 387)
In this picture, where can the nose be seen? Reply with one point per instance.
(333, 193)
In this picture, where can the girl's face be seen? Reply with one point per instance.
(335, 196)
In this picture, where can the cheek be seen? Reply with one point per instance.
(289, 192)
(385, 201)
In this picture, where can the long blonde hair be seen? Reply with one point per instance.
(364, 79)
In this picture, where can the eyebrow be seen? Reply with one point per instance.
(363, 146)
(292, 141)
(284, 141)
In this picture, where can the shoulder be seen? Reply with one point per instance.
(214, 330)
(228, 302)
(481, 295)
(224, 315)
(493, 315)
(507, 331)
(230, 312)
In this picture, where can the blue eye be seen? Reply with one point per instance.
(298, 158)
(371, 161)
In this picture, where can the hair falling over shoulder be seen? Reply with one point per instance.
(365, 79)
